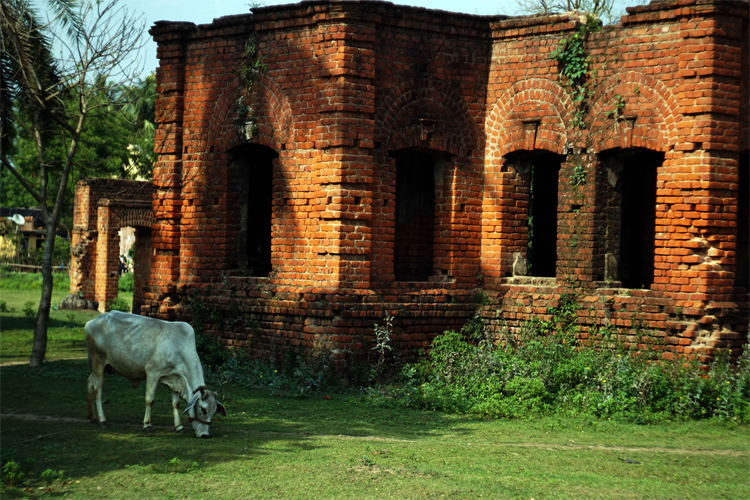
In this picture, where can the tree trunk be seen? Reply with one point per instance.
(42, 314)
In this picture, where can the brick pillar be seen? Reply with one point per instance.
(83, 242)
(576, 207)
(346, 178)
(170, 81)
(107, 257)
(141, 267)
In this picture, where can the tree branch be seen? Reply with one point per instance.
(26, 185)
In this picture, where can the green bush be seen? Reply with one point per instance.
(119, 304)
(12, 473)
(125, 283)
(28, 309)
(543, 371)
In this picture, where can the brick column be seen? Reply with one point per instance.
(170, 80)
(346, 172)
(107, 256)
(83, 243)
(142, 266)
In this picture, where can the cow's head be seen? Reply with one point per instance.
(201, 409)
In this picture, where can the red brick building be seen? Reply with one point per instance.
(322, 164)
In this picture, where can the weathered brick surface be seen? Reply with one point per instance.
(349, 84)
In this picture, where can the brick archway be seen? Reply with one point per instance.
(531, 115)
(633, 110)
(101, 208)
(432, 117)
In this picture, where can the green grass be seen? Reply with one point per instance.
(328, 445)
(22, 291)
(338, 447)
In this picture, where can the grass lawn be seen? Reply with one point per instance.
(21, 293)
(338, 447)
(332, 446)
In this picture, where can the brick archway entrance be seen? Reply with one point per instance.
(102, 207)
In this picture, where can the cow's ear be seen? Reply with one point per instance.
(192, 402)
(220, 409)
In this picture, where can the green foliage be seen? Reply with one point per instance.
(12, 473)
(323, 447)
(574, 65)
(543, 371)
(49, 476)
(578, 178)
(116, 142)
(125, 283)
(382, 345)
(28, 309)
(473, 330)
(119, 304)
(616, 113)
(4, 306)
(481, 298)
(60, 254)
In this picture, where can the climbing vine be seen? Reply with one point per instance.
(575, 69)
(574, 65)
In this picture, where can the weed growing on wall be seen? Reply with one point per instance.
(251, 70)
(382, 346)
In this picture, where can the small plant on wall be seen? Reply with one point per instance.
(252, 69)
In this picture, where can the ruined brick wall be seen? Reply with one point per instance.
(347, 96)
(101, 207)
(669, 80)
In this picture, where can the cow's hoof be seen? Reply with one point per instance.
(103, 425)
(178, 429)
(148, 430)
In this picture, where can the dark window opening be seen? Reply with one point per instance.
(743, 223)
(542, 256)
(638, 218)
(254, 185)
(415, 215)
(539, 172)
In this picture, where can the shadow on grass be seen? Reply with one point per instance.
(254, 419)
(14, 322)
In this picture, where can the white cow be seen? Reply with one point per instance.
(142, 348)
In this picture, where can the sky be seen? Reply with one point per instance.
(204, 11)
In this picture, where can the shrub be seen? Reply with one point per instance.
(119, 304)
(12, 473)
(28, 309)
(544, 370)
(125, 283)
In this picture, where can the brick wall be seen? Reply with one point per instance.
(347, 88)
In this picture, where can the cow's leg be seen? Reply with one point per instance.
(151, 383)
(95, 383)
(176, 412)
